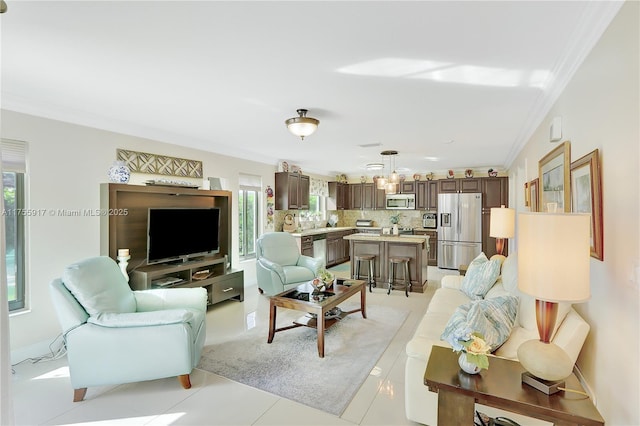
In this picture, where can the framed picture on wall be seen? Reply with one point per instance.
(586, 197)
(533, 195)
(553, 172)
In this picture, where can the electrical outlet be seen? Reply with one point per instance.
(635, 274)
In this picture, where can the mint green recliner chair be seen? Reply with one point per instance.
(280, 266)
(115, 335)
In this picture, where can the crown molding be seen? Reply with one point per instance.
(597, 18)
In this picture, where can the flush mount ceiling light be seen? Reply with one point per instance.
(3, 6)
(302, 125)
(375, 166)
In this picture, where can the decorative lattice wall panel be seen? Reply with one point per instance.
(143, 162)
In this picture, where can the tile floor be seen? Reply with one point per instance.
(42, 393)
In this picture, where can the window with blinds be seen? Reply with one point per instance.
(13, 161)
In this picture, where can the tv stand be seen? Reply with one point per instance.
(129, 230)
(221, 283)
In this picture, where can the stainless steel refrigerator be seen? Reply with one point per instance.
(459, 229)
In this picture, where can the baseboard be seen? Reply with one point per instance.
(36, 350)
(584, 384)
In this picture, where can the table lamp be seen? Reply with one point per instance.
(553, 267)
(502, 225)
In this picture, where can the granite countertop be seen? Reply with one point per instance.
(318, 231)
(425, 229)
(403, 238)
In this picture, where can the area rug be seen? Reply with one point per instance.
(290, 366)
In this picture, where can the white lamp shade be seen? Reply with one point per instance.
(502, 223)
(554, 256)
(381, 183)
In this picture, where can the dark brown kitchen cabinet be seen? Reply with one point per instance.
(306, 245)
(338, 196)
(332, 252)
(361, 196)
(432, 256)
(427, 195)
(355, 196)
(407, 187)
(495, 193)
(292, 191)
(337, 247)
(379, 198)
(459, 185)
(368, 196)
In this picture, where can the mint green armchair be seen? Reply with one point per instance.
(280, 266)
(115, 335)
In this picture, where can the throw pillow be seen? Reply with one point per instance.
(493, 318)
(480, 277)
(510, 273)
(457, 327)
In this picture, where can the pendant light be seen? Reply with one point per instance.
(302, 125)
(393, 177)
(388, 184)
(381, 182)
(390, 188)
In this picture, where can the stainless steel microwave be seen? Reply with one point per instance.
(401, 202)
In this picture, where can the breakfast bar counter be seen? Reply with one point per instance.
(415, 247)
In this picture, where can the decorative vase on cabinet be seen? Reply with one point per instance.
(119, 172)
(466, 366)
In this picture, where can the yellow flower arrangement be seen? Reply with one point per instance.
(474, 346)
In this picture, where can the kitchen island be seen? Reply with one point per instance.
(414, 247)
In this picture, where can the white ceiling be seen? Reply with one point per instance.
(224, 76)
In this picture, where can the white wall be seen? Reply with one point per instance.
(67, 164)
(600, 109)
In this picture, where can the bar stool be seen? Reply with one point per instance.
(370, 258)
(404, 261)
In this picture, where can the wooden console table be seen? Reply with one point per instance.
(500, 386)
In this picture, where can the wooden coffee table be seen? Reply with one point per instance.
(501, 386)
(295, 299)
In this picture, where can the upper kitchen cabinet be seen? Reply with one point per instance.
(292, 191)
(495, 193)
(355, 196)
(379, 198)
(459, 185)
(427, 195)
(338, 196)
(407, 187)
(362, 196)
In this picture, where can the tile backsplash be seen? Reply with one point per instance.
(381, 218)
(408, 218)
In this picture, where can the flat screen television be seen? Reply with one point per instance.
(179, 234)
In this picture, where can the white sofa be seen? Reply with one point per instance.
(421, 405)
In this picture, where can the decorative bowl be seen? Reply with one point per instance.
(319, 285)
